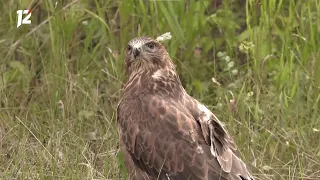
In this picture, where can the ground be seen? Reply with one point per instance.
(254, 63)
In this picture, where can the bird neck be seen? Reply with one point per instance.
(154, 80)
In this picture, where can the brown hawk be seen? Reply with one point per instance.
(165, 133)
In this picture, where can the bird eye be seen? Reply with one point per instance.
(129, 49)
(150, 45)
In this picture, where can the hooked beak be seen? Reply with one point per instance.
(136, 52)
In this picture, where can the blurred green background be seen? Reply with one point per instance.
(254, 63)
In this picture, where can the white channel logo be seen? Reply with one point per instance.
(26, 19)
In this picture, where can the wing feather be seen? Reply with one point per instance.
(171, 140)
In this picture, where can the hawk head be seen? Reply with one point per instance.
(146, 54)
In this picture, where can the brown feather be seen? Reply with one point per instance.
(165, 133)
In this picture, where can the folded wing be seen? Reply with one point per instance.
(177, 139)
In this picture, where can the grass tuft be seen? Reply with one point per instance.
(255, 64)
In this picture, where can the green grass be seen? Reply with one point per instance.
(61, 79)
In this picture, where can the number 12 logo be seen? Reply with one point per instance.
(25, 20)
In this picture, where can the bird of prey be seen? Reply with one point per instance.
(164, 133)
